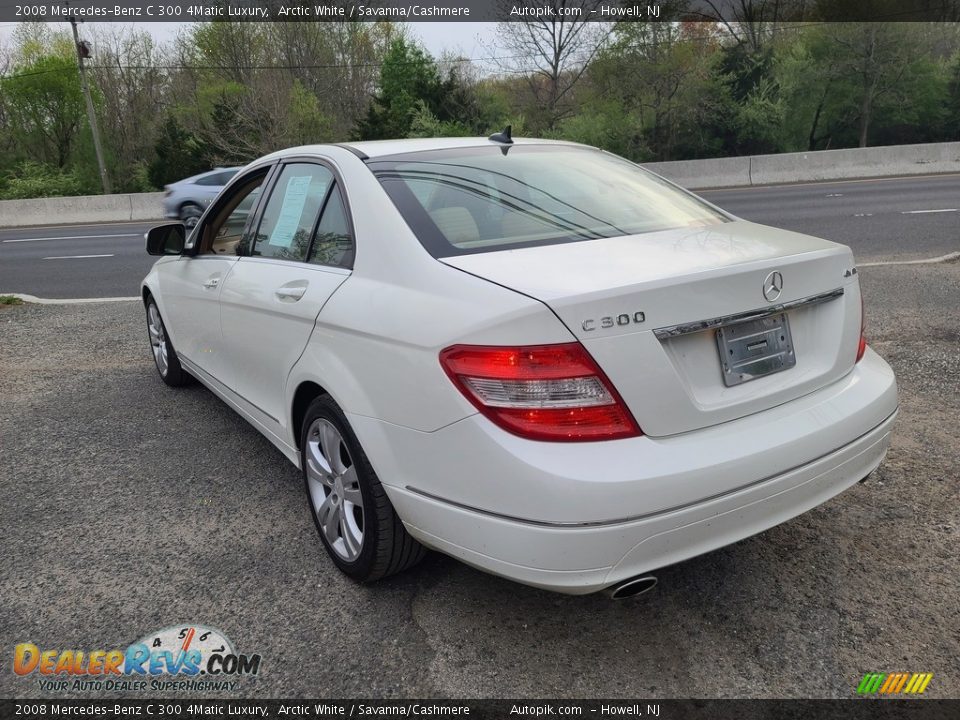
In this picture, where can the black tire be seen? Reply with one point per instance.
(190, 214)
(386, 547)
(165, 359)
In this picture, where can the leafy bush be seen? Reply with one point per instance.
(610, 128)
(35, 180)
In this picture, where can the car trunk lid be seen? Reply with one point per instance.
(614, 293)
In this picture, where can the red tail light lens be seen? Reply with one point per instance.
(862, 346)
(540, 392)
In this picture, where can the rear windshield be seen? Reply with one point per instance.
(491, 198)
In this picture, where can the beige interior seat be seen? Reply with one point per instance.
(522, 226)
(226, 245)
(457, 225)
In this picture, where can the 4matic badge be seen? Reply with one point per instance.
(185, 651)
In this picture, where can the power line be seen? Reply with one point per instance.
(323, 66)
(708, 38)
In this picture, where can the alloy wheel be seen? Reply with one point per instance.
(158, 339)
(334, 489)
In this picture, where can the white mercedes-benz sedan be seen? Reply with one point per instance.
(534, 356)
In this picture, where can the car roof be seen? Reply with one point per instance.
(208, 172)
(383, 148)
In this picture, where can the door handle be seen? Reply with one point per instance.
(291, 294)
(211, 283)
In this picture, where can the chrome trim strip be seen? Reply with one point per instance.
(646, 516)
(692, 327)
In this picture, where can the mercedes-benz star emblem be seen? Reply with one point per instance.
(773, 286)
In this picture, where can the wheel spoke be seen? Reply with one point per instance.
(351, 487)
(332, 529)
(330, 446)
(351, 542)
(329, 516)
(317, 467)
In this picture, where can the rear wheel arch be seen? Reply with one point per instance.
(336, 472)
(305, 394)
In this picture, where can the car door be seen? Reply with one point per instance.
(301, 253)
(190, 286)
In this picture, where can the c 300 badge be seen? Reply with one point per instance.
(609, 321)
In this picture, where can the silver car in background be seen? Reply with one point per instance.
(185, 200)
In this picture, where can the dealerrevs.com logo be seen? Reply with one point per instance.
(188, 657)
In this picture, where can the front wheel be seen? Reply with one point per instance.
(164, 356)
(357, 524)
(190, 215)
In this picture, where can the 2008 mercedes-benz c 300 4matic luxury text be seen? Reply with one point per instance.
(533, 356)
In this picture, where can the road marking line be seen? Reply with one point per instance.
(74, 257)
(67, 301)
(949, 257)
(83, 225)
(72, 237)
(774, 186)
(923, 212)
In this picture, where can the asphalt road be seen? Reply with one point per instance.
(903, 218)
(129, 507)
(74, 261)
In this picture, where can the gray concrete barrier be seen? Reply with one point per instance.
(892, 161)
(895, 160)
(81, 209)
(822, 165)
(713, 172)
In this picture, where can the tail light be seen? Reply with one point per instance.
(862, 346)
(540, 392)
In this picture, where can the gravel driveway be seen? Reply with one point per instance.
(130, 507)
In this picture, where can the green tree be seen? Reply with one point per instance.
(408, 75)
(653, 87)
(179, 154)
(851, 82)
(952, 102)
(45, 107)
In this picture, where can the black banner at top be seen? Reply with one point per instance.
(483, 10)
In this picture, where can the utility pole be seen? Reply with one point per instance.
(83, 51)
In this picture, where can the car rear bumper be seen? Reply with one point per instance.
(599, 517)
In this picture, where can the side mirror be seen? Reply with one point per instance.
(166, 239)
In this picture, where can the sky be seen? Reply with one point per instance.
(465, 38)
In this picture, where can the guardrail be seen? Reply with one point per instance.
(732, 172)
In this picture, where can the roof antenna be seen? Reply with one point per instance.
(503, 137)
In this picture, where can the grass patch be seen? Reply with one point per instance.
(10, 300)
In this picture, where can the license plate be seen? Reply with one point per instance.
(753, 349)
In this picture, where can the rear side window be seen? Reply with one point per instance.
(215, 179)
(332, 244)
(290, 216)
(474, 200)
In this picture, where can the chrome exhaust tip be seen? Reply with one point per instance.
(631, 588)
